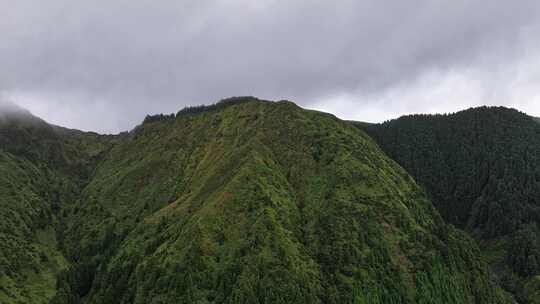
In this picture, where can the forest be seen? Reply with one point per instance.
(248, 201)
(481, 169)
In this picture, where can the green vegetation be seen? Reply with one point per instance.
(42, 168)
(245, 201)
(481, 169)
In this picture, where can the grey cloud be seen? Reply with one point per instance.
(103, 65)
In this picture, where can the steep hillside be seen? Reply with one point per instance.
(255, 202)
(40, 171)
(481, 168)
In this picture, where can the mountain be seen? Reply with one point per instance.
(481, 169)
(245, 201)
(42, 169)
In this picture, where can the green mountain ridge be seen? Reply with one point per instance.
(245, 201)
(42, 169)
(481, 169)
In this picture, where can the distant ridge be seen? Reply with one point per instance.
(8, 108)
(481, 168)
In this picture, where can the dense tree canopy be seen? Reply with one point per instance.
(481, 168)
(244, 202)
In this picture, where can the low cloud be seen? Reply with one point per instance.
(104, 65)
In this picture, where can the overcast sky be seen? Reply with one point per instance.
(103, 65)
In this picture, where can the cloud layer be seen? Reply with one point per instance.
(103, 65)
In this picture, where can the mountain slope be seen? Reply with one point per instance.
(251, 202)
(40, 171)
(481, 167)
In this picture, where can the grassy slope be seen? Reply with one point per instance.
(261, 202)
(481, 168)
